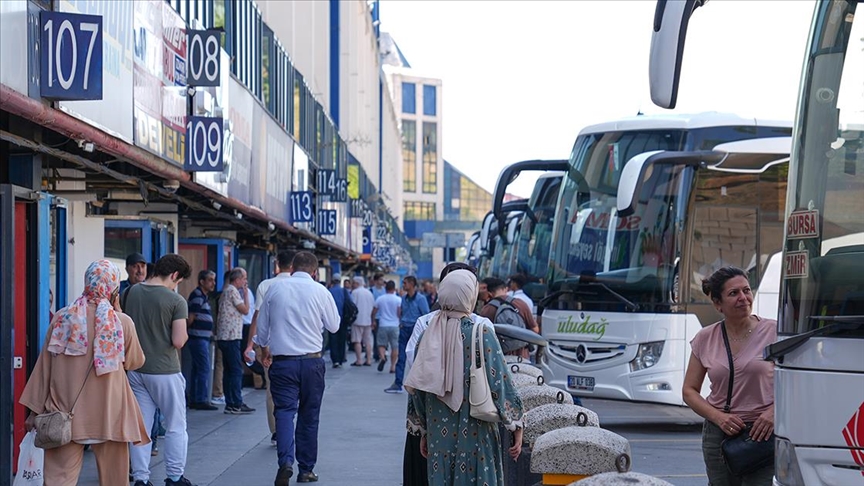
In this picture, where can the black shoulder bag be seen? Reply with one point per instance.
(742, 454)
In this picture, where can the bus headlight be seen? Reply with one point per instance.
(647, 356)
(786, 470)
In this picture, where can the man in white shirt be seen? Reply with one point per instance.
(516, 283)
(290, 323)
(388, 311)
(282, 271)
(361, 329)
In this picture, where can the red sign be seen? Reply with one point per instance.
(803, 224)
(854, 436)
(796, 265)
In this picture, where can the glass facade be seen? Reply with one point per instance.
(418, 210)
(409, 98)
(464, 200)
(429, 100)
(409, 156)
(430, 157)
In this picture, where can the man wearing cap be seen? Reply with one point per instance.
(361, 330)
(136, 269)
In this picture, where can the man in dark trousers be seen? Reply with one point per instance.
(338, 339)
(290, 323)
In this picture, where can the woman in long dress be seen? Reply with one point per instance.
(459, 449)
(89, 348)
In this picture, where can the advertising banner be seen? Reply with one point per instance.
(14, 52)
(240, 112)
(159, 80)
(272, 151)
(113, 113)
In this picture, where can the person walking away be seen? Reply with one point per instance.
(439, 383)
(414, 305)
(517, 283)
(338, 339)
(136, 272)
(290, 323)
(200, 333)
(90, 345)
(503, 309)
(233, 303)
(752, 401)
(387, 311)
(361, 329)
(160, 315)
(282, 271)
(254, 366)
(430, 292)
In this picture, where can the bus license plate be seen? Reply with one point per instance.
(585, 383)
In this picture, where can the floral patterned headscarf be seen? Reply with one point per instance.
(69, 327)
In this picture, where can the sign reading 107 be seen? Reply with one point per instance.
(70, 62)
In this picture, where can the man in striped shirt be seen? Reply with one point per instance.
(200, 330)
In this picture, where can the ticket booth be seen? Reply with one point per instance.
(216, 254)
(151, 237)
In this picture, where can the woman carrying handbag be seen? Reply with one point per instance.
(737, 436)
(461, 449)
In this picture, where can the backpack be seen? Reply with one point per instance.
(507, 313)
(349, 309)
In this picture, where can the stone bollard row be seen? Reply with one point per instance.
(525, 369)
(579, 451)
(547, 418)
(621, 479)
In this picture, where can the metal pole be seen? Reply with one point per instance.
(7, 318)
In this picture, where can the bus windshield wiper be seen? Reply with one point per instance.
(632, 307)
(841, 323)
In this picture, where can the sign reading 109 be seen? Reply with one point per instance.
(70, 62)
(204, 144)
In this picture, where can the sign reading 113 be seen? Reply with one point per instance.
(301, 207)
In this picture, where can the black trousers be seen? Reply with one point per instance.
(414, 472)
(337, 344)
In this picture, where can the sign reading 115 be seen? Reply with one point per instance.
(71, 59)
(327, 222)
(301, 207)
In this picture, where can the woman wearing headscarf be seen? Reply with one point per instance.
(460, 449)
(89, 347)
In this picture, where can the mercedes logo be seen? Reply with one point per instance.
(581, 353)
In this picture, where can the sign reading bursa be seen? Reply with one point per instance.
(203, 57)
(204, 144)
(71, 57)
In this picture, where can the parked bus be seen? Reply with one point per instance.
(624, 297)
(819, 359)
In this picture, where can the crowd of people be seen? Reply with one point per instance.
(148, 353)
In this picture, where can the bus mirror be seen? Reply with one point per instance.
(630, 182)
(671, 19)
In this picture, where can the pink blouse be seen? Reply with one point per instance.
(753, 388)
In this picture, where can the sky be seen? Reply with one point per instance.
(521, 78)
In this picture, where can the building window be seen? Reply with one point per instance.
(418, 211)
(409, 156)
(474, 200)
(430, 158)
(409, 98)
(268, 63)
(429, 100)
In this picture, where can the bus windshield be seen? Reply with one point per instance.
(824, 257)
(610, 262)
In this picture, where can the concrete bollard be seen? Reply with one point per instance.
(535, 396)
(621, 479)
(520, 380)
(525, 369)
(508, 358)
(546, 418)
(566, 455)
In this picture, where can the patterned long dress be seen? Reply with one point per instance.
(462, 449)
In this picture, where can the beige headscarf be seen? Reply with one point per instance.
(439, 365)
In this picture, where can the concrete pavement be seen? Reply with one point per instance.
(360, 442)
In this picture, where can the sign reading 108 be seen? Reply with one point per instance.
(71, 56)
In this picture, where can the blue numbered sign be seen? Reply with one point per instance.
(301, 207)
(203, 57)
(204, 144)
(70, 62)
(341, 194)
(326, 182)
(326, 222)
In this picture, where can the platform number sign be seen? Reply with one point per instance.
(341, 190)
(301, 207)
(357, 208)
(204, 144)
(326, 182)
(327, 222)
(70, 61)
(203, 57)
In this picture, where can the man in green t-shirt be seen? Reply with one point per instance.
(160, 313)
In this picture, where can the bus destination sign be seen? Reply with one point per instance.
(803, 224)
(796, 264)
